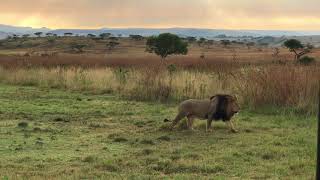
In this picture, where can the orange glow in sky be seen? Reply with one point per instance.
(213, 14)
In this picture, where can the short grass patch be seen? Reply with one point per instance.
(48, 134)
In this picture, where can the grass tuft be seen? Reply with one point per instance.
(164, 138)
(120, 139)
(90, 159)
(147, 142)
(23, 124)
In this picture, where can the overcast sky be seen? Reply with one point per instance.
(224, 14)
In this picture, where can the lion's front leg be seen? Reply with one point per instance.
(208, 126)
(231, 126)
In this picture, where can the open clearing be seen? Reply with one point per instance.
(46, 134)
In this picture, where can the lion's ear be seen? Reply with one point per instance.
(235, 98)
(212, 97)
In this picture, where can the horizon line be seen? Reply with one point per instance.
(198, 28)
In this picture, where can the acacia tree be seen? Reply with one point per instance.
(225, 43)
(136, 37)
(15, 37)
(112, 45)
(105, 35)
(297, 48)
(68, 34)
(201, 41)
(250, 44)
(91, 36)
(166, 44)
(112, 38)
(26, 35)
(38, 34)
(209, 43)
(191, 39)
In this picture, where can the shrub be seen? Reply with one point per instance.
(89, 159)
(22, 124)
(306, 60)
(147, 141)
(120, 139)
(172, 68)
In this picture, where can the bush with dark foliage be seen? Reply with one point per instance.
(166, 44)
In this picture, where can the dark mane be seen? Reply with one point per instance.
(221, 111)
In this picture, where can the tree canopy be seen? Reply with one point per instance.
(68, 34)
(166, 44)
(136, 37)
(295, 45)
(105, 35)
(38, 34)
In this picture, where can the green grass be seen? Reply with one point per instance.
(52, 134)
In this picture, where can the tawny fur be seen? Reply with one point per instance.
(218, 107)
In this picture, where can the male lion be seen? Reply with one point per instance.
(219, 107)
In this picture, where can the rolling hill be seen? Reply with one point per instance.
(208, 33)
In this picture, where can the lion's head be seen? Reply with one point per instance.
(226, 107)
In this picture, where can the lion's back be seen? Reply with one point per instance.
(194, 106)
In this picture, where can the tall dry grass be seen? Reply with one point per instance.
(133, 60)
(286, 86)
(289, 86)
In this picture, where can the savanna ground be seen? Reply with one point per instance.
(99, 114)
(48, 133)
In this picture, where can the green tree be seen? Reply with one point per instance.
(201, 41)
(306, 60)
(15, 37)
(136, 37)
(297, 48)
(112, 44)
(209, 43)
(91, 36)
(250, 44)
(38, 34)
(166, 44)
(191, 39)
(26, 35)
(112, 38)
(105, 35)
(225, 43)
(68, 34)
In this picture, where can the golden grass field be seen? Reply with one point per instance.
(257, 75)
(131, 52)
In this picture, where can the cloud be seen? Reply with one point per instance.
(240, 14)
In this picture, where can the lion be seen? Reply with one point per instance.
(219, 107)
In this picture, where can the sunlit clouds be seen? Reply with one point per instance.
(217, 14)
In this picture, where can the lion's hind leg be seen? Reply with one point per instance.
(190, 122)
